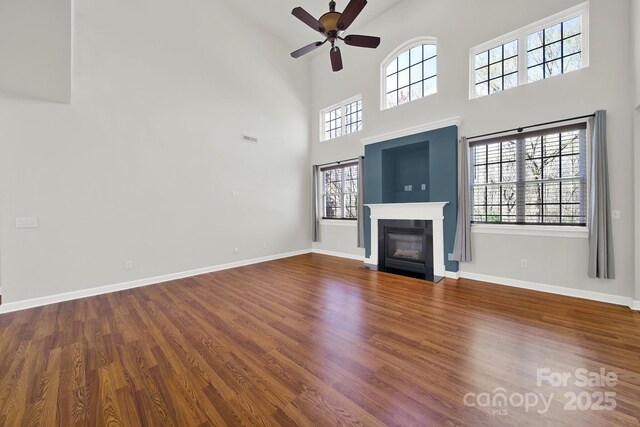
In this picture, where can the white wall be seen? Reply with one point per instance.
(339, 239)
(636, 171)
(635, 28)
(36, 48)
(460, 25)
(142, 165)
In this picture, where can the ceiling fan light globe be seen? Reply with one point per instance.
(330, 21)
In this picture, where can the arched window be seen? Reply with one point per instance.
(409, 72)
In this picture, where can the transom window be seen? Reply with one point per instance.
(333, 123)
(555, 50)
(340, 191)
(496, 69)
(410, 74)
(533, 178)
(547, 48)
(341, 119)
(353, 116)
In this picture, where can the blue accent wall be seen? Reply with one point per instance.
(429, 159)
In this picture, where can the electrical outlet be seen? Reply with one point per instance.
(264, 245)
(235, 251)
(451, 257)
(524, 263)
(615, 214)
(128, 265)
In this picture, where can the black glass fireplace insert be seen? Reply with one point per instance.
(405, 247)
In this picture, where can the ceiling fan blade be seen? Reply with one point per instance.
(350, 13)
(362, 41)
(306, 17)
(336, 59)
(308, 48)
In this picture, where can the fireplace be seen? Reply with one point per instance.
(406, 247)
(417, 239)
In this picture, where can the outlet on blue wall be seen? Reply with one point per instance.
(396, 171)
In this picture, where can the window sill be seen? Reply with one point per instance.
(339, 138)
(339, 222)
(576, 232)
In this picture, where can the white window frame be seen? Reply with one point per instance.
(322, 195)
(521, 35)
(409, 44)
(565, 231)
(568, 231)
(342, 105)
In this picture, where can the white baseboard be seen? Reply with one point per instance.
(338, 254)
(559, 290)
(452, 274)
(552, 289)
(52, 299)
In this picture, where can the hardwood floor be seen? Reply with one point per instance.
(314, 340)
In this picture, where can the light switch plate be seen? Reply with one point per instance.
(27, 222)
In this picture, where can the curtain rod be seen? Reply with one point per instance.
(338, 162)
(520, 129)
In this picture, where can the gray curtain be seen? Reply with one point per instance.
(315, 227)
(462, 244)
(601, 264)
(361, 202)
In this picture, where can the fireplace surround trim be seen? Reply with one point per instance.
(432, 211)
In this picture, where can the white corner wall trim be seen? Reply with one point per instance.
(53, 299)
(338, 254)
(636, 305)
(453, 121)
(553, 289)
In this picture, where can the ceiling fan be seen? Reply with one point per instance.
(332, 24)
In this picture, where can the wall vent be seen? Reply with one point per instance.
(251, 139)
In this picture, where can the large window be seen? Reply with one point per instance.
(532, 178)
(547, 48)
(341, 119)
(410, 74)
(340, 191)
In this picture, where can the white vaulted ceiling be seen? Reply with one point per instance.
(275, 16)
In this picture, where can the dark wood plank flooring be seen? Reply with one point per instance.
(312, 340)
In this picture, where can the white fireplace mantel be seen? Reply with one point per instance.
(432, 211)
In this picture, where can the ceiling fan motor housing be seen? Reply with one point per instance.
(330, 22)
